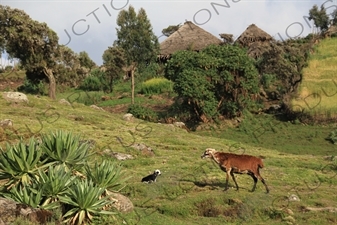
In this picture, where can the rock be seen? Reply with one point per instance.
(6, 123)
(179, 124)
(144, 149)
(119, 156)
(15, 97)
(9, 210)
(294, 198)
(96, 107)
(65, 102)
(121, 203)
(128, 117)
(289, 211)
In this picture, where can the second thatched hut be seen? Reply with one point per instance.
(255, 39)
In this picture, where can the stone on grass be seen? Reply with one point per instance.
(128, 117)
(15, 97)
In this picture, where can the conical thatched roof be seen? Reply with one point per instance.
(187, 37)
(332, 30)
(252, 34)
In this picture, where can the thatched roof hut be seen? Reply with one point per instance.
(332, 30)
(188, 37)
(253, 34)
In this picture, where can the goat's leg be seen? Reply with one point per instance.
(228, 171)
(236, 184)
(255, 181)
(264, 183)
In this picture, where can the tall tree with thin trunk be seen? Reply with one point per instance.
(32, 42)
(136, 37)
(320, 18)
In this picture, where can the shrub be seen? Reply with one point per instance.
(156, 86)
(333, 137)
(91, 83)
(96, 81)
(219, 80)
(142, 112)
(30, 87)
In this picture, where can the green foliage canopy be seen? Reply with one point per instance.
(219, 80)
(136, 37)
(34, 43)
(113, 61)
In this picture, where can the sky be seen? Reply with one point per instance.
(91, 25)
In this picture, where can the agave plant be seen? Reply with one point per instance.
(53, 183)
(19, 163)
(65, 149)
(84, 199)
(106, 175)
(25, 195)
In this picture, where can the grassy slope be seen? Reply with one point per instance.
(190, 190)
(318, 91)
(187, 180)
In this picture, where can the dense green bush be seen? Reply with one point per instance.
(96, 81)
(219, 80)
(30, 87)
(156, 86)
(142, 112)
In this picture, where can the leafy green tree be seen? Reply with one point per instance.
(219, 80)
(34, 43)
(86, 61)
(113, 61)
(136, 37)
(320, 18)
(283, 63)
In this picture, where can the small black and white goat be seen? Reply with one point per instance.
(152, 177)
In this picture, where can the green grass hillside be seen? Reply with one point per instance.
(190, 190)
(300, 164)
(318, 90)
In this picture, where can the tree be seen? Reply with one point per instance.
(85, 60)
(219, 80)
(136, 38)
(34, 43)
(283, 63)
(320, 18)
(113, 61)
(170, 30)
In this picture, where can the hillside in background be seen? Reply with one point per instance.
(318, 90)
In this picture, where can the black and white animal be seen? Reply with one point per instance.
(152, 177)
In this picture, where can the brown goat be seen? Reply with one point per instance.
(233, 163)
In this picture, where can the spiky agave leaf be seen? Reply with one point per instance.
(65, 149)
(20, 163)
(106, 175)
(54, 182)
(84, 199)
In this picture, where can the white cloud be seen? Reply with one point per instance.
(270, 15)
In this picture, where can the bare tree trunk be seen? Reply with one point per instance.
(132, 87)
(52, 83)
(133, 68)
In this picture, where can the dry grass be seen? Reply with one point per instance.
(318, 91)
